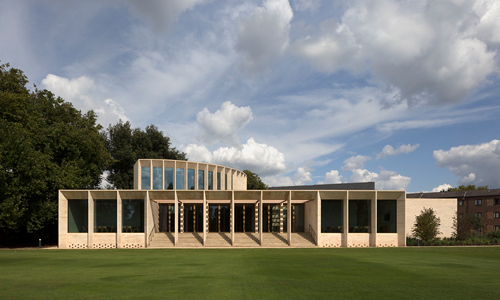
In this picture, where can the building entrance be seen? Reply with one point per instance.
(244, 218)
(219, 218)
(271, 218)
(166, 216)
(193, 217)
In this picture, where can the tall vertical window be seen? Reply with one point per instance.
(386, 216)
(190, 179)
(179, 179)
(460, 202)
(169, 179)
(133, 215)
(104, 215)
(359, 216)
(201, 179)
(145, 178)
(157, 178)
(210, 180)
(218, 181)
(332, 216)
(78, 215)
(226, 181)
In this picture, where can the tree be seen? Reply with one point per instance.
(465, 226)
(46, 145)
(469, 187)
(127, 145)
(254, 182)
(426, 225)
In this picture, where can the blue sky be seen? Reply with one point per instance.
(403, 93)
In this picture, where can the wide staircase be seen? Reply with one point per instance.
(218, 239)
(162, 240)
(302, 240)
(246, 239)
(223, 239)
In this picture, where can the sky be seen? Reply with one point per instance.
(402, 93)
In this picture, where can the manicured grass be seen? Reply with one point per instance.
(395, 273)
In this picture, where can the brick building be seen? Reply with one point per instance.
(483, 203)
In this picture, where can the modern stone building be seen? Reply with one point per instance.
(190, 204)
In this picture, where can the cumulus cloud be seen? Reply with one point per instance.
(223, 125)
(83, 94)
(302, 176)
(474, 164)
(262, 159)
(306, 5)
(439, 51)
(161, 13)
(441, 187)
(264, 34)
(332, 177)
(389, 150)
(355, 162)
(385, 180)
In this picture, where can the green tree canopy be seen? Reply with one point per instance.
(45, 145)
(426, 225)
(127, 145)
(469, 187)
(254, 182)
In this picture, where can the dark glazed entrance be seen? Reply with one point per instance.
(219, 218)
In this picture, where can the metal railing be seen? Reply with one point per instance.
(313, 233)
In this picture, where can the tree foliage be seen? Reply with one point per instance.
(254, 182)
(426, 225)
(127, 145)
(470, 187)
(465, 226)
(46, 145)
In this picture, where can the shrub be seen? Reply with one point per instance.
(426, 225)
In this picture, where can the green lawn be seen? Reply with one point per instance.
(396, 273)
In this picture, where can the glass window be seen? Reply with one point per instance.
(133, 215)
(157, 178)
(386, 216)
(218, 181)
(210, 180)
(78, 215)
(359, 216)
(496, 215)
(332, 216)
(190, 179)
(145, 178)
(179, 179)
(496, 227)
(460, 202)
(226, 181)
(169, 178)
(496, 201)
(478, 214)
(477, 202)
(201, 179)
(105, 216)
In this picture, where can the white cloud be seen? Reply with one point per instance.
(161, 13)
(83, 94)
(428, 50)
(441, 187)
(474, 164)
(223, 125)
(355, 162)
(264, 34)
(262, 159)
(306, 5)
(386, 180)
(332, 176)
(389, 150)
(302, 176)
